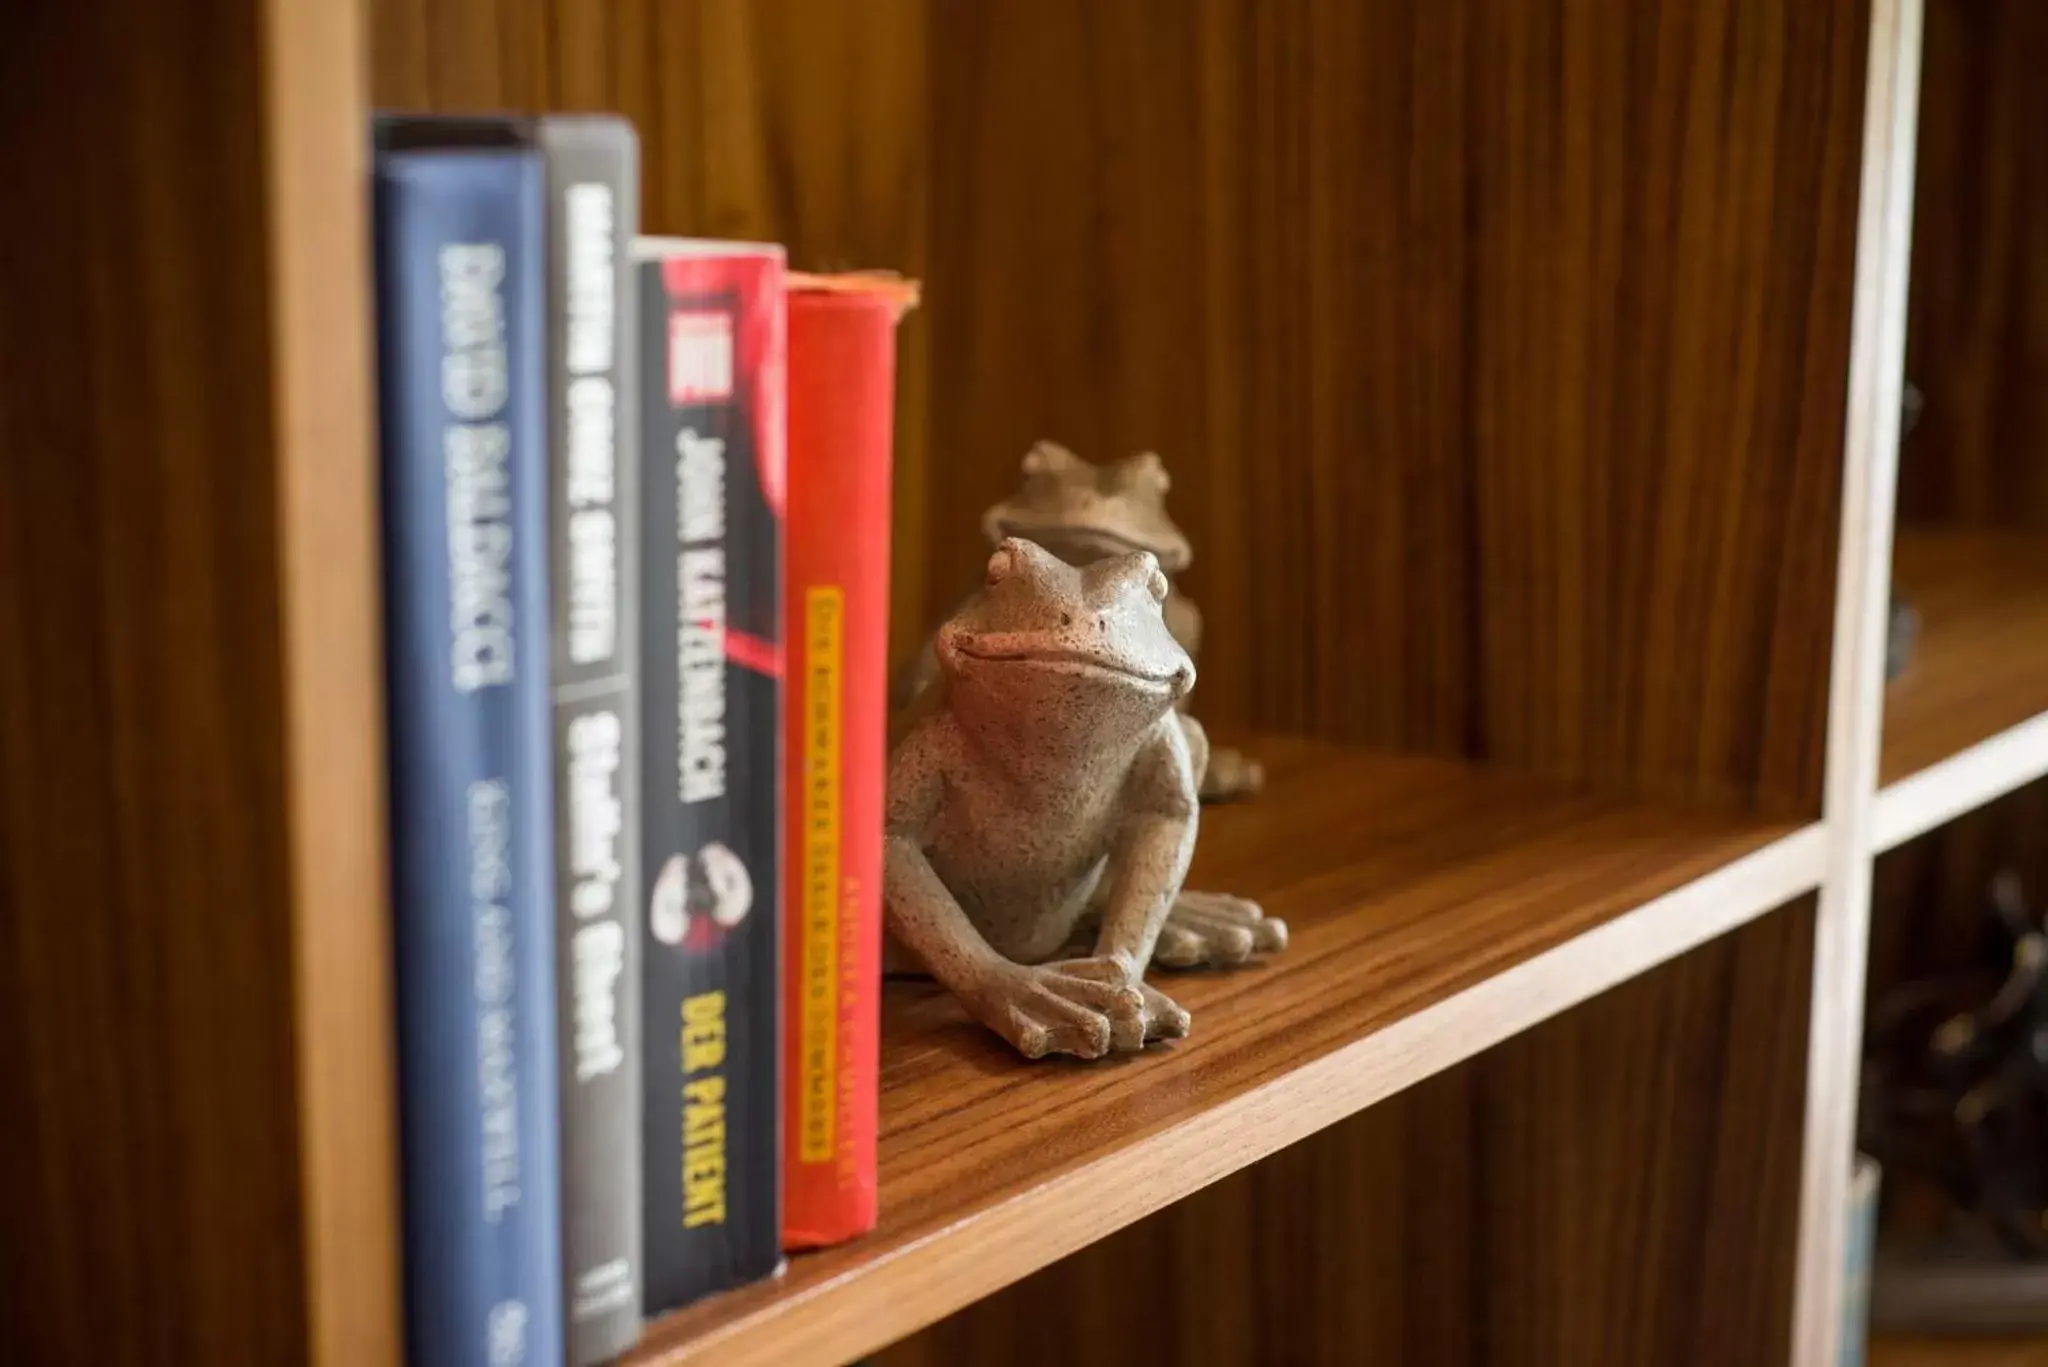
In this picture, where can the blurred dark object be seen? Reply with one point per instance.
(1955, 1107)
(1902, 628)
(1901, 634)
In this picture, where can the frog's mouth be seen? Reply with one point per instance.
(1072, 662)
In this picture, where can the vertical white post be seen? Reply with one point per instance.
(1856, 687)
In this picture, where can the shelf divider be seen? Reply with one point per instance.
(1870, 463)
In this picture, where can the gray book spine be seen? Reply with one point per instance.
(593, 431)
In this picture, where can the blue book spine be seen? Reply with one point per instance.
(462, 328)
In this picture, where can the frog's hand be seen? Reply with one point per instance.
(1216, 930)
(1083, 1007)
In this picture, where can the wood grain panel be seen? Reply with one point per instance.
(1498, 352)
(1979, 321)
(196, 1161)
(1550, 1202)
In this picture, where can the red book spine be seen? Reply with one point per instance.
(842, 372)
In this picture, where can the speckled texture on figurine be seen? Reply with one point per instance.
(1042, 809)
(1083, 512)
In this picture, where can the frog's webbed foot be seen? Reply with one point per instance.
(1216, 930)
(1083, 1007)
(1086, 1006)
(1231, 774)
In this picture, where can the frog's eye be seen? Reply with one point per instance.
(1049, 458)
(1155, 583)
(1001, 565)
(1144, 472)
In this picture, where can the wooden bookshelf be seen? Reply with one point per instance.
(1530, 385)
(1968, 719)
(1435, 909)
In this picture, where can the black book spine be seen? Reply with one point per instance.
(592, 189)
(712, 358)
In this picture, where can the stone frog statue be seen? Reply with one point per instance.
(1042, 808)
(1083, 512)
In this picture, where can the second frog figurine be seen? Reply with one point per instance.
(1042, 809)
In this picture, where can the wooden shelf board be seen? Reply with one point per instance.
(1435, 908)
(1968, 720)
(1903, 1350)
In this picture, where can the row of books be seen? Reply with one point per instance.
(635, 499)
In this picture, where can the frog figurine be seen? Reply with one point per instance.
(1042, 808)
(1083, 512)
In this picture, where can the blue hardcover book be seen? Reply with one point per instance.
(462, 326)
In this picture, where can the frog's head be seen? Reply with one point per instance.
(1042, 628)
(1081, 512)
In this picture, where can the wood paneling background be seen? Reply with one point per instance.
(1497, 347)
(1977, 340)
(195, 1128)
(1498, 351)
(1608, 1190)
(151, 1041)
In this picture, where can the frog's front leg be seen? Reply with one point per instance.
(1155, 839)
(1083, 1007)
